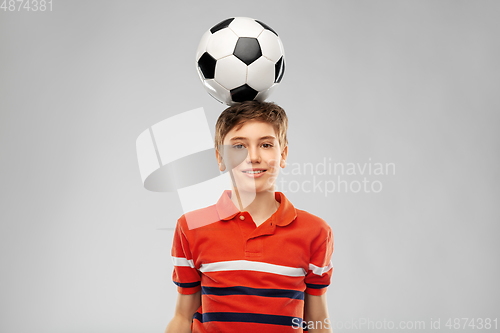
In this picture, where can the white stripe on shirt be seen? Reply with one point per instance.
(320, 270)
(182, 262)
(245, 265)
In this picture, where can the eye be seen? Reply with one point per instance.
(238, 146)
(267, 145)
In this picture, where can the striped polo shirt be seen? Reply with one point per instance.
(252, 279)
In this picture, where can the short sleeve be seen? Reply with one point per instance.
(185, 275)
(320, 267)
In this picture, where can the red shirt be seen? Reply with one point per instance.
(251, 278)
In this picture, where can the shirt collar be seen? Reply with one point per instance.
(285, 214)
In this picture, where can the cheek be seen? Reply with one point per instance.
(274, 161)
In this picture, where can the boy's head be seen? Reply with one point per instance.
(237, 115)
(250, 139)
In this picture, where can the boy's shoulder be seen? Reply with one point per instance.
(311, 221)
(303, 214)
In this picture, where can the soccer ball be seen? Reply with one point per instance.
(240, 59)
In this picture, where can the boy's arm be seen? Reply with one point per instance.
(315, 311)
(184, 310)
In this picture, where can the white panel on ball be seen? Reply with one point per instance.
(261, 74)
(230, 72)
(200, 75)
(263, 95)
(217, 91)
(270, 45)
(202, 47)
(246, 27)
(222, 43)
(282, 48)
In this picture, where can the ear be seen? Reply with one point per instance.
(222, 166)
(284, 154)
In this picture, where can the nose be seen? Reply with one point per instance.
(253, 155)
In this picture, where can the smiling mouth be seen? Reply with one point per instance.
(253, 172)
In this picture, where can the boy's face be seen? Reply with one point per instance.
(256, 150)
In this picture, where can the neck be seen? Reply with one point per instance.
(262, 206)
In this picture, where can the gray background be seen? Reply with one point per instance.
(85, 248)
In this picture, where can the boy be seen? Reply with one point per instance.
(264, 265)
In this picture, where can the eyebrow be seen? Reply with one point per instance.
(267, 137)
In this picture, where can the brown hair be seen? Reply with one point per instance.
(238, 114)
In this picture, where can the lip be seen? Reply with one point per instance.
(254, 175)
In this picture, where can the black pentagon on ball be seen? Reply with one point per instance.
(247, 50)
(279, 70)
(265, 26)
(207, 66)
(243, 93)
(221, 25)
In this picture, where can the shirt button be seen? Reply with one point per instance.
(242, 217)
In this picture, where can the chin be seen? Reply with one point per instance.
(256, 190)
(251, 188)
(254, 186)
